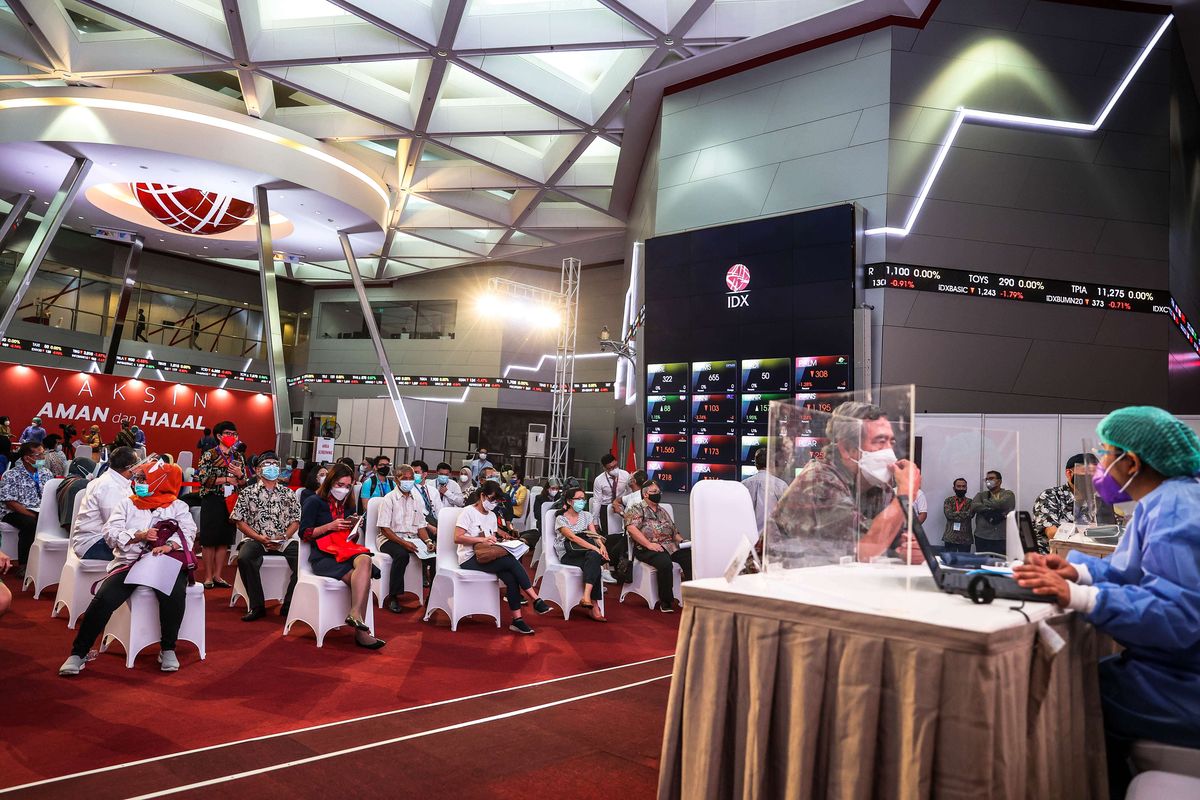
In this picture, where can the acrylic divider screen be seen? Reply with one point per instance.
(839, 461)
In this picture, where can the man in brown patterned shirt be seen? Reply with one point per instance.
(844, 503)
(268, 515)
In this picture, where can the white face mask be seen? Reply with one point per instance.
(464, 478)
(873, 466)
(340, 492)
(489, 505)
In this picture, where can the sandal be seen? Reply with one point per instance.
(218, 583)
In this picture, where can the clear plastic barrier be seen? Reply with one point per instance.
(841, 456)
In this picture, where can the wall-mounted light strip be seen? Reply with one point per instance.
(199, 119)
(974, 115)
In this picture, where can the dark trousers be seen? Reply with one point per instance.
(591, 563)
(26, 528)
(951, 547)
(113, 592)
(99, 552)
(990, 545)
(400, 556)
(602, 518)
(664, 573)
(249, 562)
(509, 571)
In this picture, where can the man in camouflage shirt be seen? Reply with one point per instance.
(844, 502)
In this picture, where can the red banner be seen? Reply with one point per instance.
(172, 415)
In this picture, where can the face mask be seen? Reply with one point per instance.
(339, 492)
(418, 478)
(464, 478)
(321, 477)
(270, 472)
(654, 497)
(578, 505)
(873, 466)
(611, 470)
(489, 505)
(41, 462)
(554, 492)
(960, 492)
(406, 486)
(229, 439)
(483, 456)
(1107, 487)
(443, 480)
(141, 489)
(382, 470)
(991, 485)
(513, 481)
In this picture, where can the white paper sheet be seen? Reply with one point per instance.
(516, 547)
(158, 572)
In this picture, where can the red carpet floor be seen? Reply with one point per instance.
(256, 682)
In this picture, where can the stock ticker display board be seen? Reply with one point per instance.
(739, 316)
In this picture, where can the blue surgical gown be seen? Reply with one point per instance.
(1149, 602)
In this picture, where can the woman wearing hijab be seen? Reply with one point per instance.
(324, 515)
(132, 534)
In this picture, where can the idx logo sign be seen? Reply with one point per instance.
(737, 278)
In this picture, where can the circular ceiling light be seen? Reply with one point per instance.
(191, 210)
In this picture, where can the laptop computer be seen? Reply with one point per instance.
(981, 585)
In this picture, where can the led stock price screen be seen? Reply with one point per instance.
(756, 409)
(714, 472)
(714, 448)
(667, 378)
(666, 446)
(1020, 288)
(714, 377)
(766, 375)
(714, 409)
(749, 446)
(666, 409)
(671, 476)
(823, 373)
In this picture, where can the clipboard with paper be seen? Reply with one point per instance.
(158, 571)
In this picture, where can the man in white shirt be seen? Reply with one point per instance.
(608, 486)
(401, 522)
(430, 499)
(447, 488)
(920, 506)
(765, 488)
(102, 495)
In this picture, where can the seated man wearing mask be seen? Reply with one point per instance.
(1056, 505)
(401, 523)
(131, 533)
(845, 502)
(1146, 596)
(449, 493)
(378, 482)
(99, 499)
(430, 499)
(268, 515)
(21, 494)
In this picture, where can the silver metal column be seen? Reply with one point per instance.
(564, 371)
(14, 217)
(389, 378)
(271, 326)
(127, 283)
(31, 259)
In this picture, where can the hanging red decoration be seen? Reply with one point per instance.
(192, 210)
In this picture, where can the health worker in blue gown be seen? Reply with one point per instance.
(1146, 596)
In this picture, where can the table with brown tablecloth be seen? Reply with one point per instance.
(865, 681)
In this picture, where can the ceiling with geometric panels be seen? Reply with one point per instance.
(499, 123)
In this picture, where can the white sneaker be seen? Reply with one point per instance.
(168, 662)
(72, 666)
(606, 577)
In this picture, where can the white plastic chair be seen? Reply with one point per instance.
(76, 577)
(135, 623)
(382, 586)
(275, 575)
(184, 459)
(83, 451)
(562, 584)
(8, 540)
(49, 550)
(722, 518)
(643, 583)
(459, 592)
(320, 603)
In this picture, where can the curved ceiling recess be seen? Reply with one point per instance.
(154, 122)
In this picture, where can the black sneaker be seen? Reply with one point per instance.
(520, 626)
(666, 608)
(541, 606)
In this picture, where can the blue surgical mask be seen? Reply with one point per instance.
(41, 462)
(418, 477)
(271, 473)
(406, 485)
(579, 505)
(443, 480)
(141, 489)
(514, 481)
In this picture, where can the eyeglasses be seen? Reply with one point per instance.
(1101, 452)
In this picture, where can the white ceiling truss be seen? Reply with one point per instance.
(504, 125)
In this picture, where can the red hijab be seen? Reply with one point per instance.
(165, 482)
